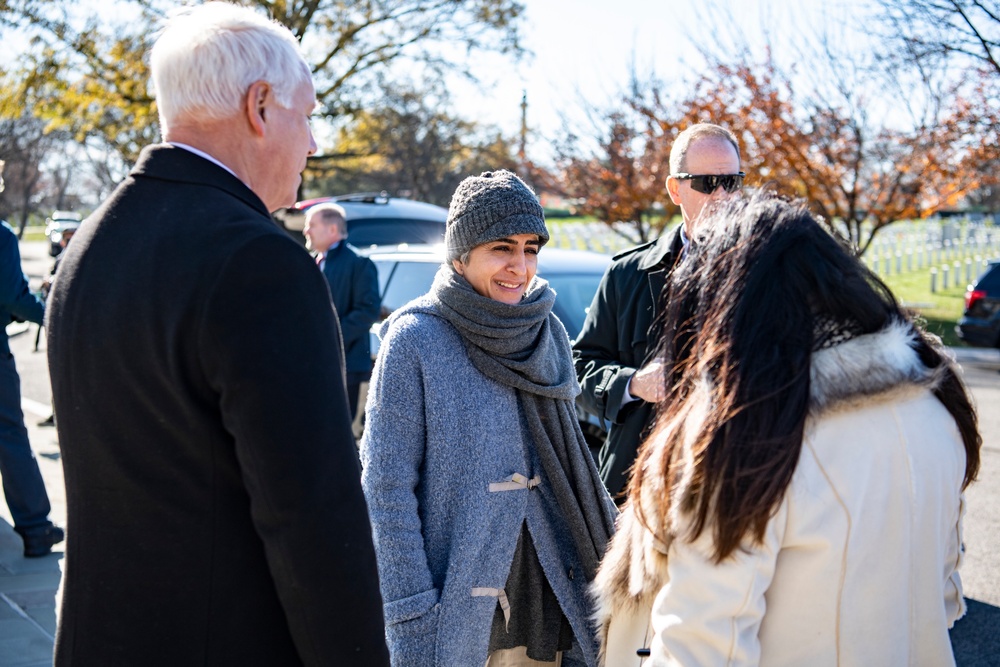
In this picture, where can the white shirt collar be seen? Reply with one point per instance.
(205, 155)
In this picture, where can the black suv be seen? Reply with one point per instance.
(980, 324)
(375, 219)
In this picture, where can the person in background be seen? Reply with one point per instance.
(488, 513)
(353, 284)
(614, 353)
(212, 480)
(23, 486)
(64, 240)
(800, 498)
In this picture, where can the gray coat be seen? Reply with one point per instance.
(438, 434)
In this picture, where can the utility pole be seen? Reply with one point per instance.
(521, 153)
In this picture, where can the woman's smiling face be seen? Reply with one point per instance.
(502, 270)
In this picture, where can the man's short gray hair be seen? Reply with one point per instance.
(330, 214)
(209, 55)
(679, 149)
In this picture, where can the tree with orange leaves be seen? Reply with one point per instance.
(621, 181)
(857, 174)
(864, 146)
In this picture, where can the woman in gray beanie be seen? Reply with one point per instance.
(488, 513)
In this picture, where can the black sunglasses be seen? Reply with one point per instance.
(708, 183)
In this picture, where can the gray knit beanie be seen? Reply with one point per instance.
(491, 206)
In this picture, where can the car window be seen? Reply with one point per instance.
(384, 268)
(574, 293)
(990, 280)
(408, 280)
(364, 232)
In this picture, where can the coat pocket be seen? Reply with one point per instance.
(411, 627)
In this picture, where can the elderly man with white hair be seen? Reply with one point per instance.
(215, 513)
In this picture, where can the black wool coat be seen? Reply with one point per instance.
(215, 513)
(618, 337)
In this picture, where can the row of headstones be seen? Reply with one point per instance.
(593, 236)
(928, 256)
(950, 234)
(931, 239)
(953, 275)
(948, 262)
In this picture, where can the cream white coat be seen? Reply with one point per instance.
(859, 565)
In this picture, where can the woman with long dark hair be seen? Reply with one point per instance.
(799, 500)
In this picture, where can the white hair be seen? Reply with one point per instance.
(208, 56)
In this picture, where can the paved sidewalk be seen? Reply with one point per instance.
(979, 355)
(28, 586)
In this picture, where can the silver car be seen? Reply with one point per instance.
(376, 219)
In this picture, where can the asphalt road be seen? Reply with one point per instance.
(976, 638)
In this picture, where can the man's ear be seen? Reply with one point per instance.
(459, 267)
(674, 190)
(258, 98)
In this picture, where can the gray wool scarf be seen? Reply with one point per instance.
(522, 346)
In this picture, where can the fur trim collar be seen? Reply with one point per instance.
(866, 367)
(880, 366)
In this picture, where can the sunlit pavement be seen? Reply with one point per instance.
(28, 586)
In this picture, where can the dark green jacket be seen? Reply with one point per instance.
(615, 341)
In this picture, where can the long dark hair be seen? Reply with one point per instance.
(740, 316)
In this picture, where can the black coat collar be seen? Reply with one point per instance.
(170, 163)
(663, 252)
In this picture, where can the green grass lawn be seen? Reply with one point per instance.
(34, 234)
(569, 221)
(940, 310)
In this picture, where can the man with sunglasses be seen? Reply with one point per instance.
(620, 377)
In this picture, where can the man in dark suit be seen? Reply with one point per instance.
(615, 354)
(354, 286)
(213, 491)
(23, 486)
